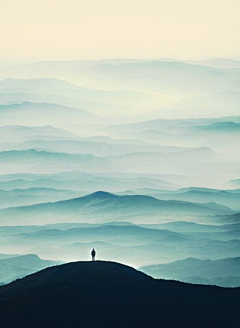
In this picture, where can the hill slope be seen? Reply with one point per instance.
(91, 294)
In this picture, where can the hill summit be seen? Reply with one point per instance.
(101, 194)
(109, 294)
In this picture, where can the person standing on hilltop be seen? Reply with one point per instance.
(93, 253)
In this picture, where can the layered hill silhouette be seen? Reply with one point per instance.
(73, 181)
(229, 198)
(105, 205)
(107, 294)
(223, 272)
(14, 267)
(22, 133)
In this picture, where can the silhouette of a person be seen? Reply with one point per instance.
(93, 253)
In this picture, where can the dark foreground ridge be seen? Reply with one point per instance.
(109, 294)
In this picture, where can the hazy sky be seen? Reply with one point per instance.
(82, 29)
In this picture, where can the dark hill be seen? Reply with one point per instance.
(108, 294)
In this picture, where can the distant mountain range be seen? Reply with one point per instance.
(20, 133)
(220, 127)
(89, 146)
(186, 227)
(30, 196)
(229, 198)
(225, 273)
(46, 113)
(173, 127)
(62, 93)
(105, 206)
(118, 87)
(90, 293)
(136, 245)
(179, 162)
(218, 62)
(87, 181)
(42, 161)
(13, 268)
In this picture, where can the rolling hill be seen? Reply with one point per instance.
(111, 294)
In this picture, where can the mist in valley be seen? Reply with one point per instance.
(138, 159)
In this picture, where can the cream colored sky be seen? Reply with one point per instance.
(33, 30)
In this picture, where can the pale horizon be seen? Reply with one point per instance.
(99, 29)
(184, 59)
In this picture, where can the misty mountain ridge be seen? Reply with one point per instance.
(89, 146)
(53, 162)
(85, 181)
(219, 62)
(224, 127)
(126, 242)
(15, 267)
(48, 109)
(61, 92)
(103, 205)
(23, 132)
(192, 269)
(227, 198)
(29, 196)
